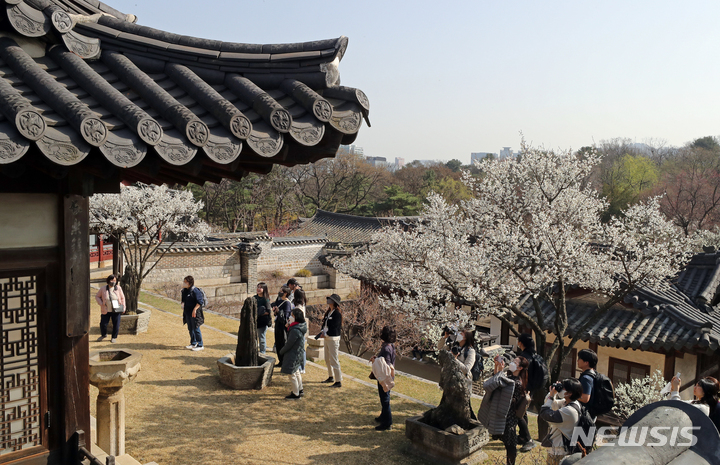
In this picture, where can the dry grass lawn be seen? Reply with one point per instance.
(177, 412)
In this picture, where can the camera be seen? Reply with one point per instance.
(558, 386)
(455, 350)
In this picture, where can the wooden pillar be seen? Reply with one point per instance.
(593, 346)
(101, 247)
(504, 333)
(75, 311)
(669, 370)
(116, 256)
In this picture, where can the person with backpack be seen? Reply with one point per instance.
(563, 415)
(384, 373)
(192, 302)
(538, 377)
(264, 318)
(598, 395)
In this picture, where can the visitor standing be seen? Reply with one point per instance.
(563, 415)
(384, 371)
(282, 315)
(587, 361)
(538, 377)
(264, 319)
(293, 285)
(192, 303)
(299, 302)
(292, 352)
(112, 304)
(466, 355)
(331, 327)
(504, 395)
(705, 393)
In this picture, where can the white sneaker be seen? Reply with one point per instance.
(414, 358)
(191, 346)
(113, 340)
(198, 348)
(302, 372)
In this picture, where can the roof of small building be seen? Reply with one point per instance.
(347, 229)
(86, 89)
(664, 317)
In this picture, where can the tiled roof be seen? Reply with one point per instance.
(348, 229)
(662, 318)
(300, 240)
(84, 88)
(700, 279)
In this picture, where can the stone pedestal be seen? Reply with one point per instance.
(243, 378)
(135, 324)
(315, 349)
(444, 447)
(110, 370)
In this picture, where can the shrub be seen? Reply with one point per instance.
(303, 273)
(630, 397)
(275, 274)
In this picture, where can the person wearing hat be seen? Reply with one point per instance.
(331, 326)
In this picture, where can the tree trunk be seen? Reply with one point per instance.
(246, 354)
(130, 284)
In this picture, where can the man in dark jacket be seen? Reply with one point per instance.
(192, 303)
(536, 386)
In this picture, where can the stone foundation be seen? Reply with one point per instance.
(446, 448)
(135, 324)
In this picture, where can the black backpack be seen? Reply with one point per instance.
(584, 442)
(539, 375)
(602, 398)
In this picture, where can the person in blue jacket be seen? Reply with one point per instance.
(192, 303)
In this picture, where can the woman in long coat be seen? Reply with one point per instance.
(293, 352)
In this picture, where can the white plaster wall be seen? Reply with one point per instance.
(28, 220)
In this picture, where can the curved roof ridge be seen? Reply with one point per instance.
(378, 219)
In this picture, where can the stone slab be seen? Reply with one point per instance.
(446, 448)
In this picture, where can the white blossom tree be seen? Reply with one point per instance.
(146, 221)
(531, 231)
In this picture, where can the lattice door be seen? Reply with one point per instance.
(20, 426)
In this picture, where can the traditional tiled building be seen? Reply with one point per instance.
(90, 99)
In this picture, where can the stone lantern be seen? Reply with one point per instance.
(110, 370)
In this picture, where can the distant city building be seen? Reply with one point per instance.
(377, 161)
(399, 163)
(477, 156)
(430, 162)
(350, 150)
(506, 152)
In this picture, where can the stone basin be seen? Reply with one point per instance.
(113, 368)
(444, 447)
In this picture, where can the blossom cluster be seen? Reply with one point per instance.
(533, 222)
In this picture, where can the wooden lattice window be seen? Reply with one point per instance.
(20, 425)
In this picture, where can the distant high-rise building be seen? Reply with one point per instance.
(506, 152)
(376, 161)
(399, 163)
(350, 150)
(477, 156)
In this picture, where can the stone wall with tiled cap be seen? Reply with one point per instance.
(290, 256)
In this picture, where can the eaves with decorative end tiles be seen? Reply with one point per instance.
(86, 88)
(347, 229)
(292, 241)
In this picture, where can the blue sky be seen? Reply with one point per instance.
(449, 78)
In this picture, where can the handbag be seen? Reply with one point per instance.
(521, 409)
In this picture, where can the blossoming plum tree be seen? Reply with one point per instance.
(146, 221)
(532, 230)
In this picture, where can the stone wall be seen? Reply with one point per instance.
(208, 268)
(288, 259)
